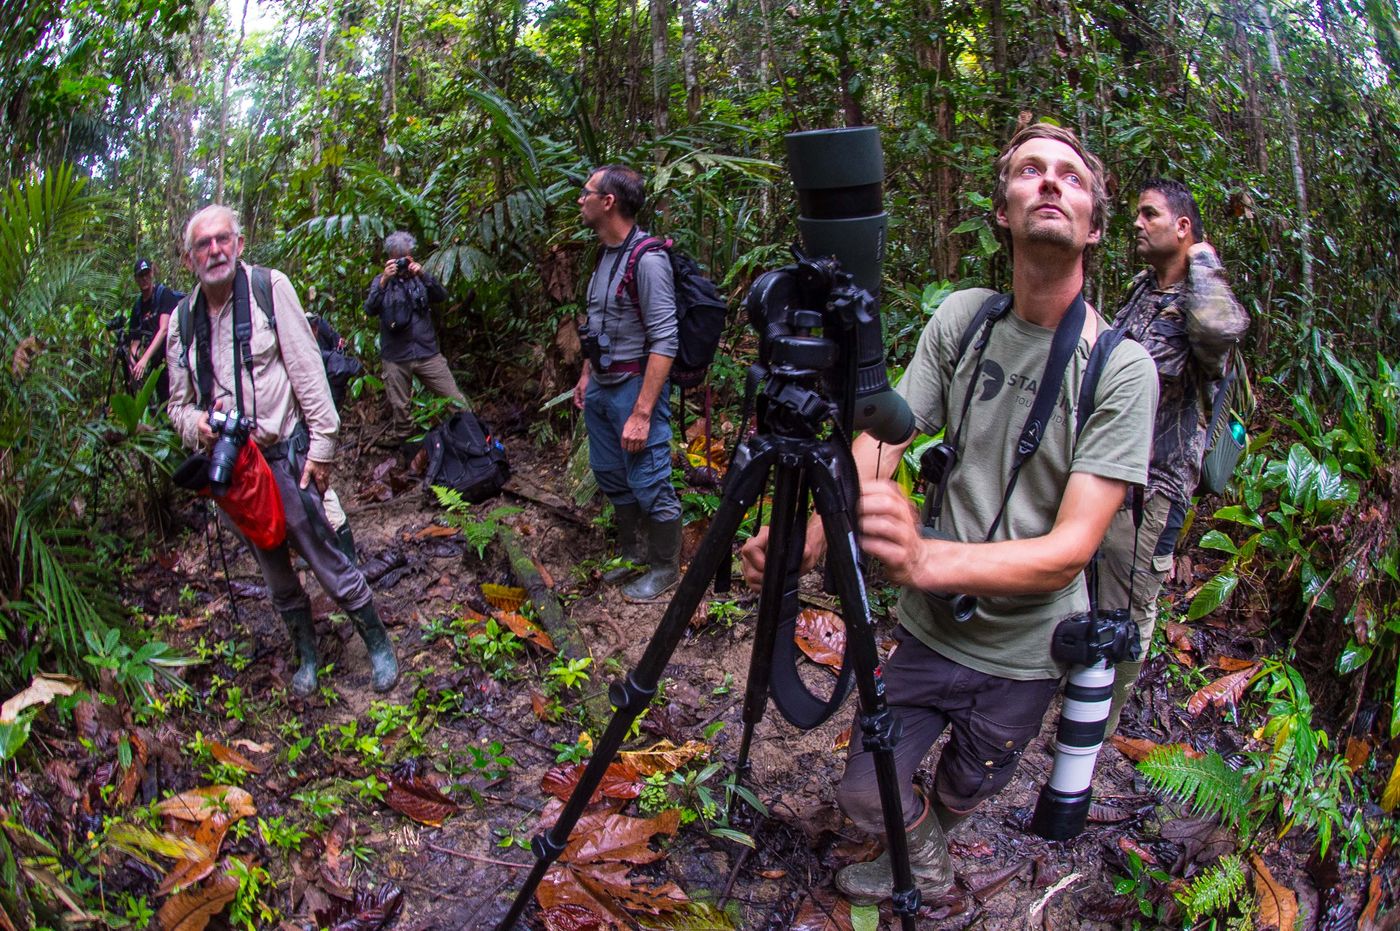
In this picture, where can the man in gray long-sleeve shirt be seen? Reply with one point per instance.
(622, 392)
(401, 297)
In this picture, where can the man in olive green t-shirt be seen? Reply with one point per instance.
(992, 678)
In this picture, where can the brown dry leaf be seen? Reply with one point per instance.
(526, 629)
(772, 874)
(663, 756)
(25, 352)
(414, 797)
(503, 597)
(594, 870)
(250, 746)
(822, 911)
(366, 910)
(202, 804)
(334, 871)
(539, 704)
(1128, 845)
(434, 532)
(842, 741)
(1234, 663)
(1223, 692)
(209, 835)
(231, 757)
(1375, 895)
(620, 780)
(571, 917)
(1134, 748)
(42, 689)
(1391, 796)
(192, 911)
(1358, 752)
(607, 836)
(1179, 636)
(985, 885)
(135, 773)
(1278, 907)
(822, 636)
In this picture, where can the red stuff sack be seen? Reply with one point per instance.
(253, 502)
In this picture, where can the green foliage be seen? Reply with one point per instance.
(1215, 890)
(1206, 783)
(1143, 883)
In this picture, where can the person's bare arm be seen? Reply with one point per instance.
(890, 532)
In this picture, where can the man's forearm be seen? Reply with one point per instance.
(657, 371)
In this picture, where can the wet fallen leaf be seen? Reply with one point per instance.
(209, 837)
(415, 797)
(334, 870)
(503, 597)
(201, 804)
(539, 704)
(42, 689)
(985, 885)
(1234, 663)
(1179, 636)
(1375, 895)
(972, 849)
(231, 757)
(1103, 813)
(1278, 907)
(434, 532)
(526, 629)
(607, 836)
(1224, 692)
(842, 741)
(822, 636)
(594, 870)
(192, 910)
(368, 910)
(1134, 748)
(663, 756)
(1130, 846)
(772, 874)
(133, 775)
(822, 911)
(620, 780)
(1358, 752)
(1201, 840)
(571, 917)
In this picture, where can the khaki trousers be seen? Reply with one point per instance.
(398, 385)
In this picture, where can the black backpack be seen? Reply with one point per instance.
(464, 456)
(701, 312)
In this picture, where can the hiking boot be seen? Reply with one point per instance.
(345, 542)
(663, 539)
(872, 882)
(303, 635)
(383, 667)
(630, 546)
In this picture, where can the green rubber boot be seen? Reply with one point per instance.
(872, 882)
(303, 635)
(1124, 678)
(383, 666)
(663, 561)
(630, 545)
(948, 819)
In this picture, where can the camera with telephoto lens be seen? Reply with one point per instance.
(1086, 639)
(401, 266)
(232, 429)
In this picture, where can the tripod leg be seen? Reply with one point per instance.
(786, 530)
(880, 725)
(630, 696)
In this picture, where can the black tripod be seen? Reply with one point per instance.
(792, 411)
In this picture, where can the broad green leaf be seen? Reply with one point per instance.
(1302, 467)
(1212, 595)
(865, 918)
(1353, 656)
(968, 226)
(1240, 515)
(1215, 540)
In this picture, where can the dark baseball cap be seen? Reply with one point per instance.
(142, 266)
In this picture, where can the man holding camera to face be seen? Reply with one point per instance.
(402, 297)
(629, 345)
(995, 561)
(245, 367)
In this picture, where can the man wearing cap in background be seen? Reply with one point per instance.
(145, 333)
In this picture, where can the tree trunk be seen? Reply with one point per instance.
(660, 11)
(1295, 153)
(688, 60)
(389, 105)
(181, 129)
(846, 70)
(223, 102)
(318, 118)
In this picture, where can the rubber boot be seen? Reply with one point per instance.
(872, 882)
(345, 542)
(630, 545)
(1124, 677)
(948, 819)
(303, 635)
(384, 668)
(663, 561)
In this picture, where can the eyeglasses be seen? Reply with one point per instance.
(202, 244)
(587, 192)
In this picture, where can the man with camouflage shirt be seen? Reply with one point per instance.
(1182, 311)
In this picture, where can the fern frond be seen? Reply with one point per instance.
(1205, 783)
(1215, 890)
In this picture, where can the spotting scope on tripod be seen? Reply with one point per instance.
(822, 374)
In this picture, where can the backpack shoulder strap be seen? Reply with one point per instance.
(993, 308)
(628, 284)
(182, 321)
(1107, 341)
(262, 294)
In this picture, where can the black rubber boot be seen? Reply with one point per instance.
(383, 666)
(631, 547)
(345, 541)
(872, 882)
(663, 561)
(303, 635)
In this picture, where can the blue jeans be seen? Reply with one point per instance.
(642, 478)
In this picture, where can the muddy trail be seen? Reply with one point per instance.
(436, 787)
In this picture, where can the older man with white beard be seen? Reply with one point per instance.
(281, 386)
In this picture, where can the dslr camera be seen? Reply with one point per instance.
(1092, 637)
(232, 429)
(401, 266)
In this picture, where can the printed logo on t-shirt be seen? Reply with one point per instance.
(993, 377)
